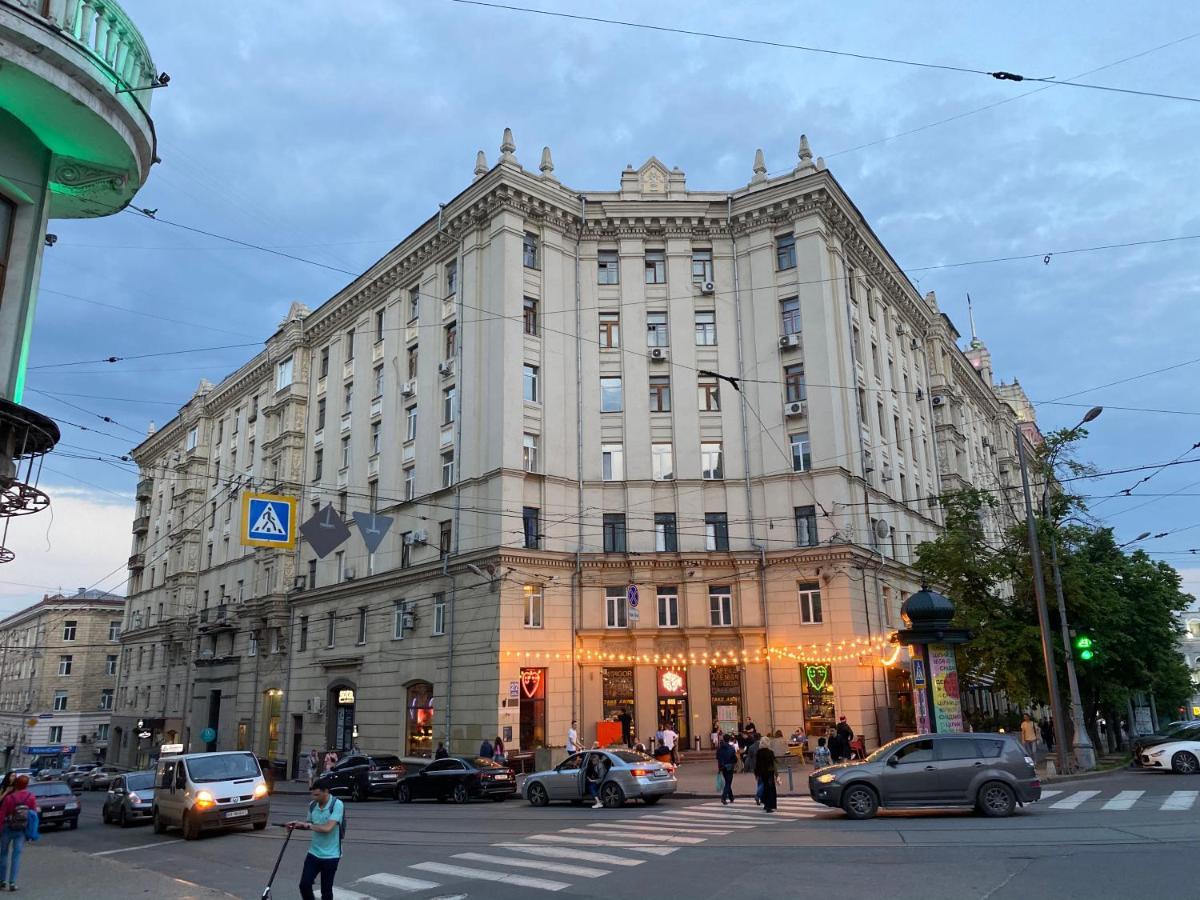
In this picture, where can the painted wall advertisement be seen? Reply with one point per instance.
(947, 710)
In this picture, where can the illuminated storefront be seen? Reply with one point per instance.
(725, 686)
(533, 708)
(820, 711)
(618, 694)
(418, 738)
(673, 701)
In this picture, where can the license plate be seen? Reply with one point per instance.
(390, 776)
(502, 778)
(51, 813)
(237, 813)
(661, 773)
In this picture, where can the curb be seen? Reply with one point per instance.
(1085, 776)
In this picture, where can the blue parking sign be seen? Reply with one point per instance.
(268, 520)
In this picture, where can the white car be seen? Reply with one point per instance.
(1181, 757)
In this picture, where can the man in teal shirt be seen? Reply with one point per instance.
(325, 817)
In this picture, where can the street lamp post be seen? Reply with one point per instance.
(1085, 753)
(1039, 591)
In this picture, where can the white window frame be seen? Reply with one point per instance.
(193, 438)
(398, 612)
(534, 606)
(529, 383)
(439, 614)
(612, 462)
(448, 469)
(284, 373)
(801, 440)
(56, 733)
(805, 595)
(720, 607)
(668, 607)
(410, 423)
(662, 461)
(410, 483)
(70, 628)
(65, 662)
(529, 452)
(60, 701)
(709, 471)
(611, 383)
(615, 608)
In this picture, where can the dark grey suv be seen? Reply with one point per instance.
(989, 772)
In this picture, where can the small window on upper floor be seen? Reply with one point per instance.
(608, 267)
(702, 266)
(283, 374)
(785, 252)
(656, 267)
(529, 250)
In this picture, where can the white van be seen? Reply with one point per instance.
(200, 791)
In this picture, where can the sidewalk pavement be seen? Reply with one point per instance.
(53, 873)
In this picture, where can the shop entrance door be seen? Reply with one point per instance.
(533, 709)
(673, 711)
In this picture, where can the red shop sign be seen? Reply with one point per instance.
(533, 684)
(672, 683)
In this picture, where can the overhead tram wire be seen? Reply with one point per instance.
(866, 57)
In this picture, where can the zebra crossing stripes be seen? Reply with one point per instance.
(1180, 800)
(608, 859)
(1074, 800)
(596, 841)
(1123, 800)
(494, 875)
(618, 832)
(541, 865)
(665, 821)
(1046, 795)
(343, 894)
(399, 882)
(674, 827)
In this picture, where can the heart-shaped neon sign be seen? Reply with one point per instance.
(531, 681)
(818, 676)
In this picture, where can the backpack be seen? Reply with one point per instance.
(341, 824)
(18, 819)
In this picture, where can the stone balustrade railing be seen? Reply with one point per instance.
(103, 30)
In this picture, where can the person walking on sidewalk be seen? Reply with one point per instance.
(1029, 736)
(16, 809)
(326, 817)
(765, 770)
(726, 761)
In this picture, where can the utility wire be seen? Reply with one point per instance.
(762, 42)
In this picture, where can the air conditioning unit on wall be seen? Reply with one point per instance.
(793, 409)
(707, 287)
(789, 342)
(659, 354)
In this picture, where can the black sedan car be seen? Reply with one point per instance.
(57, 805)
(459, 778)
(360, 777)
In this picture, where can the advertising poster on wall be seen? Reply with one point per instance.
(920, 696)
(947, 709)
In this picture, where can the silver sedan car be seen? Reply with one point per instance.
(631, 776)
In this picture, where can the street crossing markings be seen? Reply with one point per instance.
(1074, 800)
(138, 847)
(541, 884)
(600, 842)
(722, 819)
(1180, 800)
(1123, 800)
(655, 828)
(1046, 795)
(676, 821)
(399, 882)
(639, 835)
(572, 853)
(343, 894)
(540, 864)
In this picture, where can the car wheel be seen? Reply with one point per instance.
(461, 795)
(1184, 763)
(611, 795)
(357, 794)
(73, 824)
(860, 802)
(123, 818)
(191, 827)
(104, 815)
(404, 794)
(160, 826)
(536, 795)
(650, 801)
(996, 800)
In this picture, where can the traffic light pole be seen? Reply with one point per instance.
(1085, 753)
(1039, 590)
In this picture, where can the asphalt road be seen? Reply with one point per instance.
(1109, 836)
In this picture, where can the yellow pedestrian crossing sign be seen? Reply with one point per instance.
(268, 520)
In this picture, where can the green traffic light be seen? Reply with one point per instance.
(1083, 642)
(1086, 654)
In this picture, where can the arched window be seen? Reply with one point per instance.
(418, 736)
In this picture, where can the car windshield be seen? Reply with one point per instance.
(886, 749)
(49, 789)
(629, 756)
(222, 767)
(482, 762)
(385, 762)
(140, 781)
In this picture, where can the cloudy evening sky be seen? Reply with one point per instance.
(330, 130)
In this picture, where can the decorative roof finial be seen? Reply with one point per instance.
(805, 154)
(481, 165)
(547, 166)
(760, 167)
(507, 147)
(975, 341)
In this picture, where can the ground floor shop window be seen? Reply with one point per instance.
(618, 697)
(899, 686)
(272, 712)
(820, 712)
(725, 684)
(533, 708)
(418, 740)
(673, 702)
(341, 717)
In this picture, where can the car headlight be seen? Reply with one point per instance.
(260, 791)
(827, 778)
(1157, 752)
(204, 798)
(72, 806)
